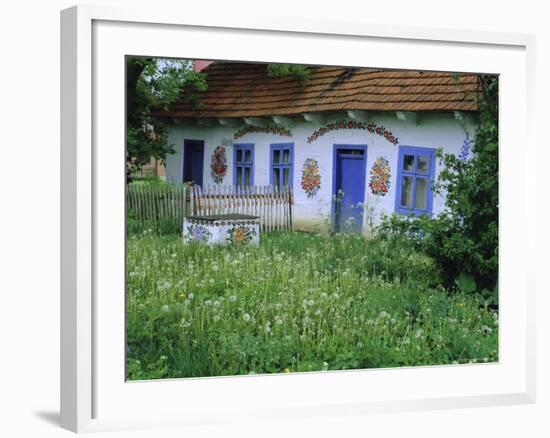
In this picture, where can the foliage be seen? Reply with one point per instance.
(464, 238)
(298, 302)
(154, 83)
(297, 72)
(148, 180)
(160, 227)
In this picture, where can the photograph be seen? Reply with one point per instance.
(285, 218)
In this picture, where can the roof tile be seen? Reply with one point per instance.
(245, 90)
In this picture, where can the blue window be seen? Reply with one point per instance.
(281, 164)
(243, 164)
(415, 176)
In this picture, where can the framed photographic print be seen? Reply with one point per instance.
(328, 225)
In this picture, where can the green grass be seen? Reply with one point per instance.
(299, 302)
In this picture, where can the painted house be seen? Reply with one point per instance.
(352, 142)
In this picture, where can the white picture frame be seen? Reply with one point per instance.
(94, 395)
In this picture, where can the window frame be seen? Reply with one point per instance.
(281, 146)
(416, 151)
(243, 147)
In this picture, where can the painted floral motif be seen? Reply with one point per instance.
(465, 149)
(266, 130)
(198, 233)
(351, 124)
(218, 165)
(380, 177)
(311, 180)
(240, 234)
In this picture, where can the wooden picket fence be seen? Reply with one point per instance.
(272, 204)
(174, 202)
(152, 202)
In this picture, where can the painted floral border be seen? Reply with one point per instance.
(265, 130)
(373, 128)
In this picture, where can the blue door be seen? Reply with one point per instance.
(349, 187)
(193, 160)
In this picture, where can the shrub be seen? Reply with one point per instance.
(463, 240)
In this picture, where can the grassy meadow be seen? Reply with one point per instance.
(298, 302)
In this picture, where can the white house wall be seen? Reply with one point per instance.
(441, 130)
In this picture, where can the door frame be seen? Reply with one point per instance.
(190, 140)
(336, 148)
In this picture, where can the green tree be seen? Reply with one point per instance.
(153, 83)
(297, 72)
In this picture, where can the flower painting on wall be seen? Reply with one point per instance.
(198, 233)
(311, 179)
(218, 166)
(240, 234)
(380, 177)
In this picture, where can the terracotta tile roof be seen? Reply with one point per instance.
(245, 90)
